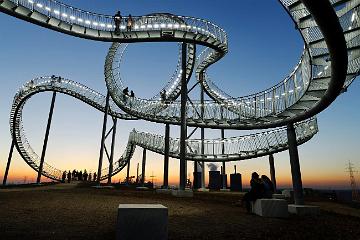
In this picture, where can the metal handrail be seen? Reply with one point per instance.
(72, 15)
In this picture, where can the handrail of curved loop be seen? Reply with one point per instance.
(236, 148)
(312, 73)
(298, 93)
(294, 98)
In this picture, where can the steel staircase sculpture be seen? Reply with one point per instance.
(238, 148)
(328, 65)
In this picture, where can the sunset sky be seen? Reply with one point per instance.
(263, 48)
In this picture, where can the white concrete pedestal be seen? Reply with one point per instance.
(182, 193)
(289, 193)
(202, 190)
(142, 221)
(270, 208)
(304, 210)
(103, 186)
(278, 196)
(224, 190)
(163, 191)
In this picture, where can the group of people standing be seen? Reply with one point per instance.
(118, 20)
(261, 187)
(78, 176)
(126, 93)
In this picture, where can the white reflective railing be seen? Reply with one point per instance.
(271, 101)
(229, 148)
(71, 15)
(71, 88)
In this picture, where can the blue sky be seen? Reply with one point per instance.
(263, 48)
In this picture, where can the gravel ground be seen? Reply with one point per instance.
(69, 212)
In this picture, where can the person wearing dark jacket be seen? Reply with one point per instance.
(268, 186)
(117, 21)
(256, 191)
(63, 177)
(69, 176)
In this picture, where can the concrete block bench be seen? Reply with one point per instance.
(289, 193)
(163, 190)
(278, 196)
(270, 208)
(187, 193)
(304, 210)
(142, 221)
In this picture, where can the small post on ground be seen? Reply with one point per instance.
(111, 160)
(166, 156)
(8, 162)
(272, 170)
(295, 165)
(143, 168)
(183, 129)
(102, 143)
(46, 137)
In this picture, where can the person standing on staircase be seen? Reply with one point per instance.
(117, 20)
(129, 23)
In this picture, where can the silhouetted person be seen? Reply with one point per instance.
(163, 95)
(268, 187)
(117, 20)
(73, 174)
(80, 176)
(31, 84)
(89, 178)
(85, 175)
(63, 177)
(129, 23)
(53, 78)
(69, 176)
(95, 176)
(256, 191)
(132, 94)
(125, 93)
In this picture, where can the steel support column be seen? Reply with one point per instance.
(143, 167)
(202, 130)
(166, 156)
(46, 137)
(8, 162)
(102, 143)
(111, 160)
(295, 165)
(272, 171)
(128, 172)
(183, 129)
(223, 163)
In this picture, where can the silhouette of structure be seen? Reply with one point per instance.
(354, 189)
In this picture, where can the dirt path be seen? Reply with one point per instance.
(60, 186)
(69, 212)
